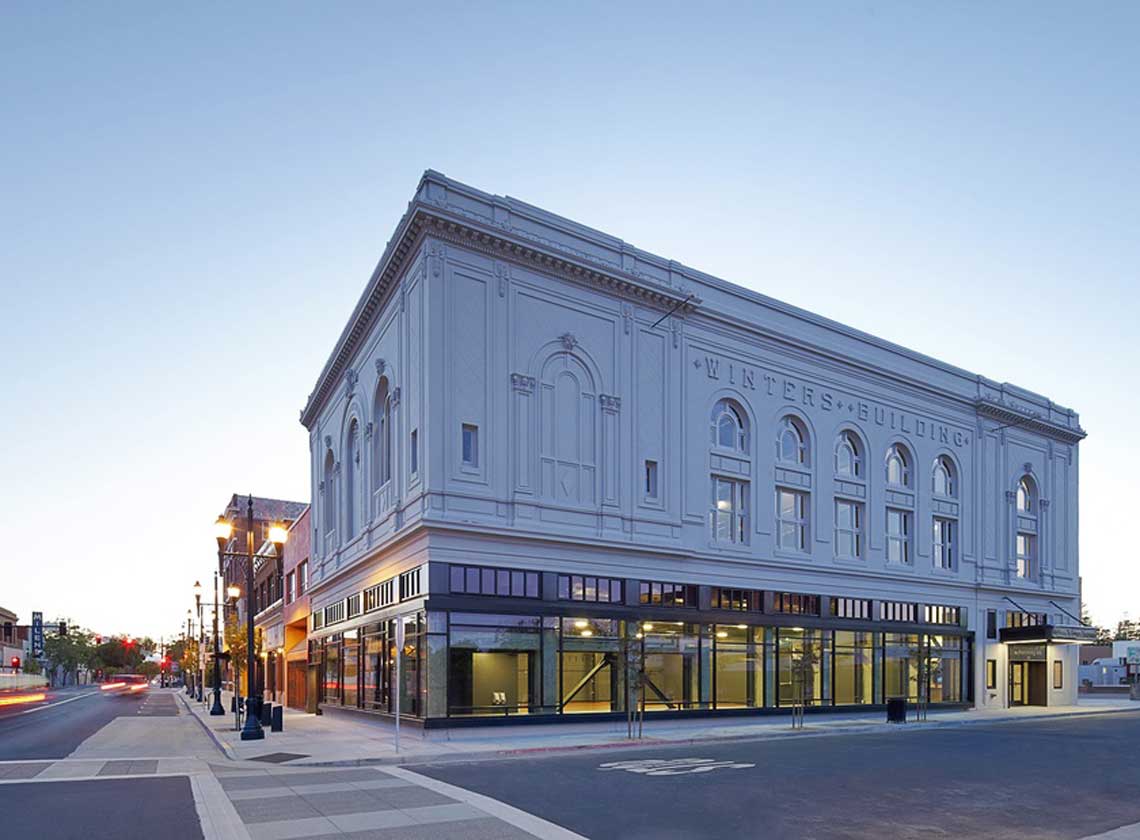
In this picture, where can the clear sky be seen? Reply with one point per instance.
(192, 198)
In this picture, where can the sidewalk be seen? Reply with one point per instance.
(343, 739)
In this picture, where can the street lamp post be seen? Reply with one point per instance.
(189, 637)
(232, 594)
(252, 730)
(198, 640)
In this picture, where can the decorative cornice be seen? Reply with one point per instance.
(1032, 421)
(426, 218)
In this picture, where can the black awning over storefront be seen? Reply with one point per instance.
(1051, 634)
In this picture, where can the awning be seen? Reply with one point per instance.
(1048, 634)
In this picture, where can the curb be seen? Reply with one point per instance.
(225, 748)
(652, 743)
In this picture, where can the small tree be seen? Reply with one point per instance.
(235, 645)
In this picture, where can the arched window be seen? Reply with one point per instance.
(848, 456)
(898, 466)
(944, 478)
(1027, 529)
(1026, 496)
(728, 429)
(792, 442)
(351, 480)
(330, 493)
(382, 435)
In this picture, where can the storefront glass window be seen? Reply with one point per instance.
(901, 657)
(592, 664)
(373, 661)
(330, 685)
(800, 668)
(738, 673)
(854, 667)
(671, 665)
(493, 666)
(349, 670)
(945, 669)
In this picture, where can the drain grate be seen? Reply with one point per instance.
(278, 757)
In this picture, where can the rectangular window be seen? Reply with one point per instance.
(599, 590)
(991, 674)
(944, 549)
(743, 600)
(1026, 555)
(1058, 674)
(1016, 618)
(651, 480)
(415, 459)
(290, 583)
(504, 583)
(659, 594)
(898, 536)
(727, 511)
(470, 445)
(410, 584)
(851, 608)
(937, 614)
(898, 611)
(848, 529)
(791, 520)
(794, 603)
(991, 624)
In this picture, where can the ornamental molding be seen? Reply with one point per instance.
(1010, 496)
(522, 383)
(569, 341)
(395, 398)
(381, 365)
(609, 403)
(368, 430)
(1016, 417)
(328, 441)
(350, 380)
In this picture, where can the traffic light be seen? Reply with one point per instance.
(98, 640)
(15, 663)
(63, 628)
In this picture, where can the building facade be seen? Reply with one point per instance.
(295, 615)
(570, 476)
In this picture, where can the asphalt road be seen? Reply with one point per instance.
(1063, 778)
(101, 809)
(55, 727)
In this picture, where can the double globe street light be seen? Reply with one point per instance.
(223, 530)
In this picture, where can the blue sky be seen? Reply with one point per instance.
(194, 197)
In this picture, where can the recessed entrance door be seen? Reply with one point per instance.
(1018, 684)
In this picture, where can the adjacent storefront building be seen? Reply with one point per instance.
(554, 475)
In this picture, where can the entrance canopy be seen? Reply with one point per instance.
(1048, 634)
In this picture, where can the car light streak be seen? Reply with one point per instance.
(13, 699)
(110, 686)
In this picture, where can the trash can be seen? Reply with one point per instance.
(277, 721)
(896, 710)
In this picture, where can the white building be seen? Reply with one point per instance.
(561, 461)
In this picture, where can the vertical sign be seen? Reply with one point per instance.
(37, 635)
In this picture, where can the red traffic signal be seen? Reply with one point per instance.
(15, 663)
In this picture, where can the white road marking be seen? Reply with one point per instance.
(672, 766)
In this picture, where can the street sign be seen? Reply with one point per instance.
(1132, 655)
(37, 634)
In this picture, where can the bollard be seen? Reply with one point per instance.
(266, 713)
(278, 720)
